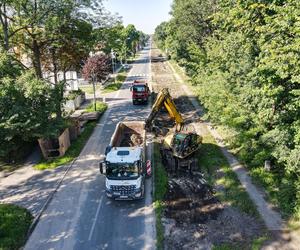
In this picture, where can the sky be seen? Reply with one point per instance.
(144, 14)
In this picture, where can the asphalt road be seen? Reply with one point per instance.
(80, 216)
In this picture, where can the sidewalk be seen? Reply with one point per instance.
(28, 187)
(31, 160)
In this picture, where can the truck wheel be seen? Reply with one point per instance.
(133, 102)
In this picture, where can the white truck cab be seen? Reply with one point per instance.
(125, 175)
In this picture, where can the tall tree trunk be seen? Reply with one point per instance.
(54, 66)
(61, 98)
(37, 59)
(4, 24)
(6, 42)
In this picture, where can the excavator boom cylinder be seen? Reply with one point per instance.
(164, 99)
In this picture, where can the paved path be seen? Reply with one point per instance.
(80, 216)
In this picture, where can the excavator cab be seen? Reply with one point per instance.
(185, 144)
(182, 144)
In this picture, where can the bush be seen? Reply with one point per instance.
(74, 93)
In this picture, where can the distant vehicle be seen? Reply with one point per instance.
(126, 66)
(140, 92)
(125, 164)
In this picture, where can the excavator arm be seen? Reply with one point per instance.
(164, 99)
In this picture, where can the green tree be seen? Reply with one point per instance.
(132, 38)
(26, 106)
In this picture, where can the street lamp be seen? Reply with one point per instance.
(113, 56)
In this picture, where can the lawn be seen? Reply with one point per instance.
(14, 224)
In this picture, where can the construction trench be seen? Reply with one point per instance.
(193, 217)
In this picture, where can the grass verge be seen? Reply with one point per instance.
(14, 224)
(278, 189)
(219, 173)
(89, 88)
(100, 107)
(75, 148)
(180, 71)
(161, 181)
(114, 86)
(256, 245)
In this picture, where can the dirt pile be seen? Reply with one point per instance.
(188, 198)
(195, 219)
(131, 141)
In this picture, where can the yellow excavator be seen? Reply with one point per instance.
(179, 143)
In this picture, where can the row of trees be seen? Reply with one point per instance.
(49, 36)
(243, 56)
(124, 41)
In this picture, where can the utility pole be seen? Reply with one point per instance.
(112, 61)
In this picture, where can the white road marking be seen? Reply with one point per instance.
(96, 218)
(150, 72)
(138, 75)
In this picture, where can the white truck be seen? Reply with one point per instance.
(125, 162)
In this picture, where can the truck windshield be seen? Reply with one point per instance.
(139, 88)
(122, 171)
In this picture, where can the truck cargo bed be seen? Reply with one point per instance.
(129, 134)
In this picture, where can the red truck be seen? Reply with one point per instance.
(140, 92)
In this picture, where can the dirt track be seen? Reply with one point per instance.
(193, 217)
